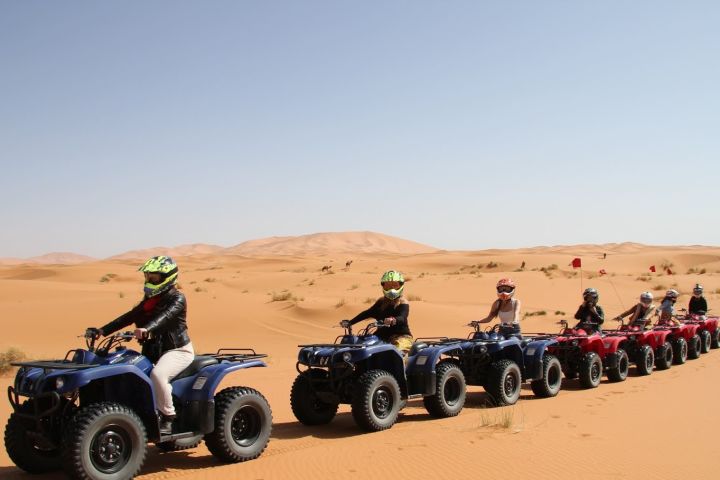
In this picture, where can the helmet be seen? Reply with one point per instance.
(168, 271)
(592, 293)
(698, 290)
(672, 294)
(505, 288)
(646, 298)
(392, 276)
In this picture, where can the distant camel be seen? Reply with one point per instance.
(348, 263)
(326, 268)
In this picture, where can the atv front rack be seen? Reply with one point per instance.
(54, 365)
(333, 345)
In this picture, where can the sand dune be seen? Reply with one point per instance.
(620, 430)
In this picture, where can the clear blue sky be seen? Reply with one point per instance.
(461, 124)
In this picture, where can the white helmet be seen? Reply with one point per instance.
(646, 298)
(698, 290)
(672, 294)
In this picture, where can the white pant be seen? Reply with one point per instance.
(170, 364)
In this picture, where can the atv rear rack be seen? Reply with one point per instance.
(236, 354)
(440, 340)
(333, 345)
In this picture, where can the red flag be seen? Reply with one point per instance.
(652, 268)
(669, 272)
(576, 263)
(602, 272)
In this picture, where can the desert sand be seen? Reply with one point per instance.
(663, 426)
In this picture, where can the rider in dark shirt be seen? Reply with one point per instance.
(698, 303)
(590, 314)
(392, 310)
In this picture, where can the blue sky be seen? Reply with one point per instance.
(462, 124)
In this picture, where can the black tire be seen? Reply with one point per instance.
(705, 341)
(504, 382)
(104, 441)
(243, 423)
(694, 347)
(590, 371)
(182, 444)
(26, 452)
(664, 356)
(620, 373)
(307, 408)
(449, 397)
(715, 338)
(376, 401)
(645, 360)
(680, 351)
(551, 382)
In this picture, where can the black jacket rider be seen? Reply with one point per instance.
(588, 317)
(698, 305)
(384, 308)
(164, 317)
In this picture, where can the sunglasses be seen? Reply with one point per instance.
(505, 289)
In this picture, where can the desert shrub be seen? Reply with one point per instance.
(559, 312)
(369, 300)
(539, 313)
(414, 298)
(121, 295)
(354, 287)
(282, 296)
(210, 280)
(200, 289)
(10, 355)
(494, 417)
(107, 277)
(659, 287)
(491, 265)
(340, 303)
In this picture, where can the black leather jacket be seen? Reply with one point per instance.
(165, 322)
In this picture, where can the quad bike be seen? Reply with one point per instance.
(684, 339)
(500, 365)
(645, 348)
(94, 411)
(586, 355)
(708, 330)
(375, 378)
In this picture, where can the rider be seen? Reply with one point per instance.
(590, 314)
(667, 308)
(160, 320)
(392, 310)
(698, 303)
(640, 313)
(506, 308)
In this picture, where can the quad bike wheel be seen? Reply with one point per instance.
(664, 356)
(243, 422)
(620, 372)
(306, 406)
(504, 382)
(551, 381)
(645, 361)
(376, 401)
(449, 397)
(590, 370)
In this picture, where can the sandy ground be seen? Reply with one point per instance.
(661, 426)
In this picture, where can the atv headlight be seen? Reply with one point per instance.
(422, 360)
(575, 343)
(347, 356)
(199, 383)
(59, 383)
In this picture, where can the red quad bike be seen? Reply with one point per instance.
(586, 355)
(684, 339)
(644, 347)
(707, 329)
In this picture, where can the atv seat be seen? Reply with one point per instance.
(416, 347)
(200, 362)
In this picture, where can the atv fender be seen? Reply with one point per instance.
(533, 358)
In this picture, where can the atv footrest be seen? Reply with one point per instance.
(176, 436)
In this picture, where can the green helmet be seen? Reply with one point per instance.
(392, 276)
(168, 271)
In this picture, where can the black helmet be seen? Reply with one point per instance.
(591, 293)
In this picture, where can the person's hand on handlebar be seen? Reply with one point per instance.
(388, 322)
(141, 333)
(94, 333)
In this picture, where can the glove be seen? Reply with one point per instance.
(345, 323)
(92, 332)
(474, 323)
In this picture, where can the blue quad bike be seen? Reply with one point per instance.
(93, 412)
(500, 365)
(375, 378)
